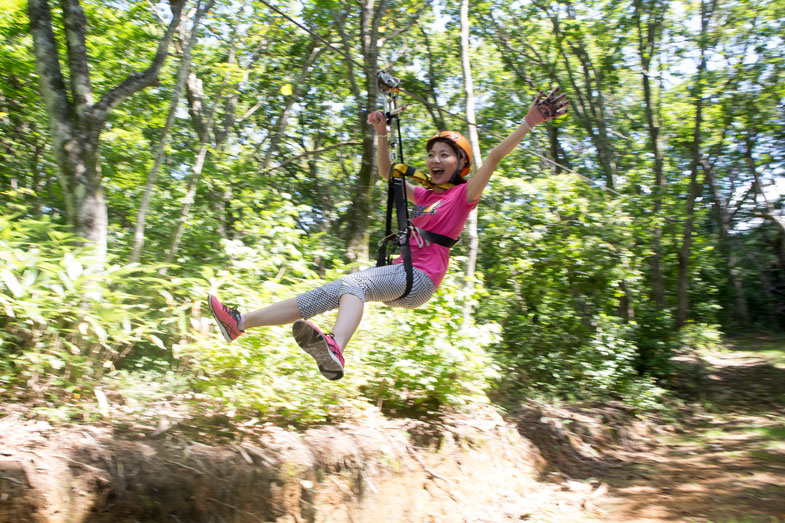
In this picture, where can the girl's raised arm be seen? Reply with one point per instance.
(543, 109)
(379, 123)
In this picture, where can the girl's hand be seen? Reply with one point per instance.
(378, 121)
(547, 108)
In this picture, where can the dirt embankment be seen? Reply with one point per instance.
(725, 461)
(469, 467)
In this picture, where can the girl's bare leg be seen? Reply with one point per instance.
(280, 313)
(350, 312)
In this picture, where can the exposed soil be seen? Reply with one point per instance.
(463, 467)
(724, 461)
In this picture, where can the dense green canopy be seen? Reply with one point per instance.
(222, 146)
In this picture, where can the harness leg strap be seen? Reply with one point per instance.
(402, 217)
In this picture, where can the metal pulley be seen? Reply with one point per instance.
(388, 84)
(390, 87)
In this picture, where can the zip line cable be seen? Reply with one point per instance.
(430, 105)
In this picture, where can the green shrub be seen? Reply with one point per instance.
(699, 337)
(64, 325)
(560, 282)
(66, 331)
(427, 357)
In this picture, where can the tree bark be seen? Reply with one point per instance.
(76, 123)
(649, 33)
(696, 185)
(356, 229)
(474, 139)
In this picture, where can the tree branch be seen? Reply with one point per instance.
(195, 96)
(137, 81)
(414, 19)
(309, 153)
(347, 49)
(53, 91)
(75, 24)
(299, 85)
(48, 67)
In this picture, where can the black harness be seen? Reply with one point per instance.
(396, 193)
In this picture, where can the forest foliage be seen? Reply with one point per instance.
(642, 225)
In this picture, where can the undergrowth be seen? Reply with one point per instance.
(74, 340)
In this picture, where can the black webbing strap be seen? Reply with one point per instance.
(402, 217)
(433, 237)
(382, 258)
(438, 239)
(396, 197)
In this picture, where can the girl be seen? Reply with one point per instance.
(439, 211)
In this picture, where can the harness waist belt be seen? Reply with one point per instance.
(438, 239)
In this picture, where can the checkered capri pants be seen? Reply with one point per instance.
(383, 284)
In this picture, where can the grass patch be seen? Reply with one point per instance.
(766, 456)
(770, 347)
(772, 432)
(719, 433)
(685, 440)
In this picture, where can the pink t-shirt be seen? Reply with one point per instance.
(444, 213)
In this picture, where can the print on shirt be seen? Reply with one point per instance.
(422, 211)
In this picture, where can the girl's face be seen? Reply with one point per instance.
(442, 162)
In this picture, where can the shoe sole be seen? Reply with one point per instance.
(215, 316)
(312, 342)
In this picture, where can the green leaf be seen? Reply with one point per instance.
(12, 283)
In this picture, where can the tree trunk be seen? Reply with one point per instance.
(587, 99)
(356, 229)
(297, 89)
(474, 139)
(741, 310)
(696, 186)
(182, 76)
(76, 122)
(649, 32)
(768, 212)
(206, 131)
(518, 60)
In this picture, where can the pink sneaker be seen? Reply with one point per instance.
(227, 318)
(321, 347)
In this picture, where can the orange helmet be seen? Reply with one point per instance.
(461, 146)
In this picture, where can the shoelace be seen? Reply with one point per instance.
(232, 311)
(335, 349)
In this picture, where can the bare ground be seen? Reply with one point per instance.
(725, 461)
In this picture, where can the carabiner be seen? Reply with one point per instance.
(415, 232)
